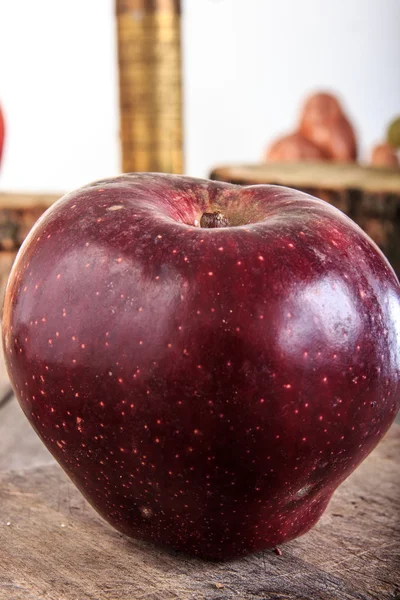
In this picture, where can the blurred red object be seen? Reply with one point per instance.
(324, 122)
(324, 133)
(384, 155)
(293, 148)
(2, 133)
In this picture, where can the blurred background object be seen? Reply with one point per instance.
(2, 133)
(384, 155)
(323, 133)
(247, 66)
(149, 53)
(324, 122)
(393, 133)
(294, 147)
(387, 154)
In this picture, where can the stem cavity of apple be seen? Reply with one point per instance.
(213, 220)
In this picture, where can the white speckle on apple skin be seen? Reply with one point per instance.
(115, 207)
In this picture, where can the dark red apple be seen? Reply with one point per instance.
(206, 388)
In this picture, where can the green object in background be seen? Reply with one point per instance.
(393, 133)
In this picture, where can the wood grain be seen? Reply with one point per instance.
(18, 214)
(26, 201)
(20, 447)
(54, 547)
(332, 176)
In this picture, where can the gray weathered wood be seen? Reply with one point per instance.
(20, 447)
(54, 547)
(5, 386)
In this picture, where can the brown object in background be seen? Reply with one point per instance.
(384, 155)
(293, 148)
(6, 262)
(323, 122)
(18, 214)
(2, 133)
(149, 50)
(370, 196)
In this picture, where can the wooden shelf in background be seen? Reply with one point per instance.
(26, 201)
(318, 175)
(18, 214)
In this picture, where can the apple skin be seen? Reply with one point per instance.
(205, 389)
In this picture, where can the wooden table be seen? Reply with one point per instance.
(53, 546)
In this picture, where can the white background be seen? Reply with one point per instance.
(247, 66)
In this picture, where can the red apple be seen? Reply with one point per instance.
(206, 388)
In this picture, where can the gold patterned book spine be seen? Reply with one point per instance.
(149, 53)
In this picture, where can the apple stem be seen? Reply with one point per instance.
(213, 220)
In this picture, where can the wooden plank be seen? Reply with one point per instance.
(18, 213)
(26, 201)
(20, 447)
(54, 547)
(5, 386)
(6, 394)
(332, 176)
